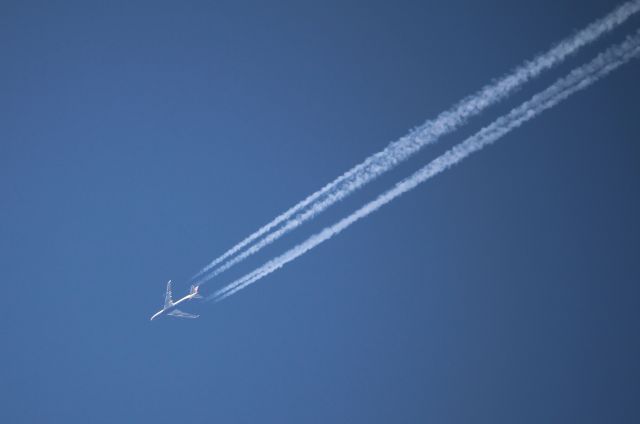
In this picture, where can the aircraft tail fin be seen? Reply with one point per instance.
(194, 292)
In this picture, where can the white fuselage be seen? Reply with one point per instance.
(173, 306)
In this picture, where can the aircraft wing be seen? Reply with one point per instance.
(179, 314)
(167, 296)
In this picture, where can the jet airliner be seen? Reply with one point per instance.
(170, 306)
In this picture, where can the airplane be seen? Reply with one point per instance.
(170, 306)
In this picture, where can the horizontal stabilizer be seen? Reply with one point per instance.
(194, 292)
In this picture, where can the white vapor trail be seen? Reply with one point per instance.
(400, 150)
(577, 80)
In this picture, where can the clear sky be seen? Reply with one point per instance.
(140, 140)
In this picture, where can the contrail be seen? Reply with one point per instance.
(408, 145)
(577, 80)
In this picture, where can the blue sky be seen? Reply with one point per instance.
(140, 140)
